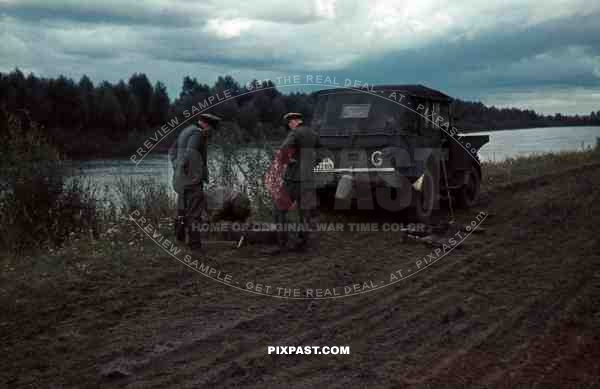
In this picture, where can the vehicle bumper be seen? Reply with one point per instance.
(376, 177)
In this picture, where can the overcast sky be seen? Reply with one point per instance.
(543, 55)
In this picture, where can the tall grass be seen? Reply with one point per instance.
(148, 195)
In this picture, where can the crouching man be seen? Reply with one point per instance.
(188, 156)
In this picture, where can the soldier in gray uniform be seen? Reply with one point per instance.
(302, 143)
(188, 156)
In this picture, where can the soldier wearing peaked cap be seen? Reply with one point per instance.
(301, 145)
(188, 156)
(293, 116)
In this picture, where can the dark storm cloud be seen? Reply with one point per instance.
(36, 11)
(222, 59)
(559, 52)
(159, 12)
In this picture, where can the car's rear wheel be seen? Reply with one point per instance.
(468, 194)
(424, 200)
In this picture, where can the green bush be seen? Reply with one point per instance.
(36, 207)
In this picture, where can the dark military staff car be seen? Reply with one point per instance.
(395, 146)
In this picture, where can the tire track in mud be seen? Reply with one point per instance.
(343, 319)
(247, 325)
(560, 342)
(445, 363)
(450, 366)
(540, 310)
(501, 329)
(378, 314)
(420, 325)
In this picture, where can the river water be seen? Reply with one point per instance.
(512, 143)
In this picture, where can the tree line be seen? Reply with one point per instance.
(477, 116)
(83, 118)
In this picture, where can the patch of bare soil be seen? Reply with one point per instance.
(514, 305)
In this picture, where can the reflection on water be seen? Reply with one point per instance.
(105, 175)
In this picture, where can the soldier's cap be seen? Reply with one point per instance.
(209, 117)
(292, 115)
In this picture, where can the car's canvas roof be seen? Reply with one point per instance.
(406, 90)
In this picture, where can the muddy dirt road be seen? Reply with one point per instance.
(516, 304)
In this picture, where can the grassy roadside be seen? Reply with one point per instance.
(514, 170)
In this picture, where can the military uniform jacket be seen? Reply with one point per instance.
(188, 156)
(305, 142)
